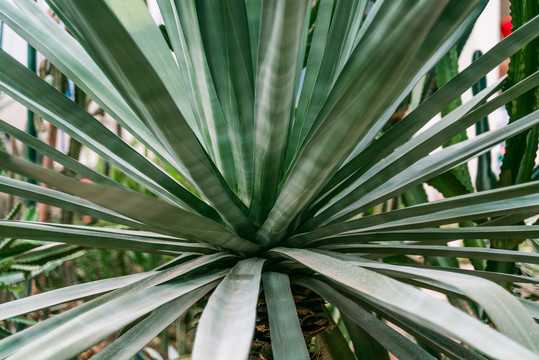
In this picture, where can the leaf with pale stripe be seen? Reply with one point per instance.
(287, 340)
(227, 322)
(411, 303)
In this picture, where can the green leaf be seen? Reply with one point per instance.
(492, 276)
(31, 335)
(337, 24)
(418, 147)
(163, 217)
(435, 164)
(455, 22)
(22, 320)
(365, 86)
(181, 18)
(510, 318)
(59, 157)
(363, 342)
(415, 195)
(313, 70)
(407, 301)
(137, 20)
(227, 323)
(254, 15)
(224, 33)
(449, 184)
(384, 335)
(57, 45)
(130, 342)
(287, 340)
(60, 199)
(432, 250)
(17, 277)
(54, 297)
(65, 341)
(281, 31)
(514, 199)
(40, 231)
(432, 235)
(405, 128)
(363, 180)
(435, 341)
(42, 253)
(33, 92)
(132, 73)
(13, 212)
(531, 307)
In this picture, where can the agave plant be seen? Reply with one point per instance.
(266, 116)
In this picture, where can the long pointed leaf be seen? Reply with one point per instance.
(56, 155)
(420, 214)
(407, 301)
(59, 296)
(129, 343)
(397, 344)
(340, 127)
(408, 155)
(163, 217)
(15, 342)
(227, 323)
(287, 340)
(65, 341)
(405, 128)
(430, 235)
(44, 100)
(225, 33)
(142, 88)
(186, 39)
(280, 38)
(503, 309)
(62, 200)
(38, 231)
(51, 39)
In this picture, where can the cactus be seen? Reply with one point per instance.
(485, 178)
(456, 181)
(519, 159)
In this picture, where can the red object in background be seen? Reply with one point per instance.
(87, 219)
(506, 26)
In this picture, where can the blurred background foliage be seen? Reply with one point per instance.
(29, 267)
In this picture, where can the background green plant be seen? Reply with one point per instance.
(276, 182)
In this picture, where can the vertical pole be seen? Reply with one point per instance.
(1, 32)
(31, 127)
(30, 124)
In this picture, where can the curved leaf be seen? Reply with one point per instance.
(129, 343)
(29, 336)
(411, 303)
(227, 323)
(394, 342)
(163, 217)
(41, 231)
(65, 341)
(132, 73)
